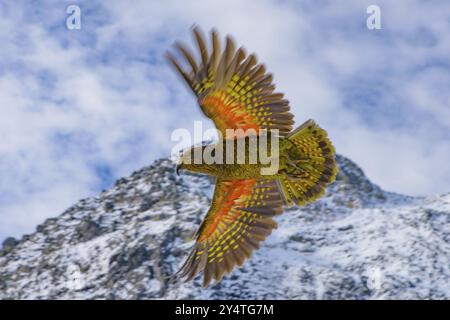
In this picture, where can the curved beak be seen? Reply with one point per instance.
(178, 169)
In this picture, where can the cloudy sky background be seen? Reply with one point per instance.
(81, 108)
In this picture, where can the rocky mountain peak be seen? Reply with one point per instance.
(357, 242)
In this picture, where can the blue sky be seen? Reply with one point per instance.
(81, 108)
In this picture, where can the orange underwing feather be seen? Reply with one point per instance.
(240, 218)
(231, 87)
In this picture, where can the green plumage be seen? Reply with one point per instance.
(305, 162)
(252, 181)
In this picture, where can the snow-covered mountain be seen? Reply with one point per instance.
(357, 242)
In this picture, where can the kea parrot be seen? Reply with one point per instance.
(234, 90)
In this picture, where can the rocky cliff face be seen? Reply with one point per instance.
(357, 242)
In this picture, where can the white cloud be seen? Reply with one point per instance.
(103, 96)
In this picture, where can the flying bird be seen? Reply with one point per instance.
(234, 90)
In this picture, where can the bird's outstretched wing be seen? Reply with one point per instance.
(232, 88)
(240, 218)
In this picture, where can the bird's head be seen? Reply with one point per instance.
(190, 159)
(193, 160)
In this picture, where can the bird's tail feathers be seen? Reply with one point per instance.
(309, 164)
